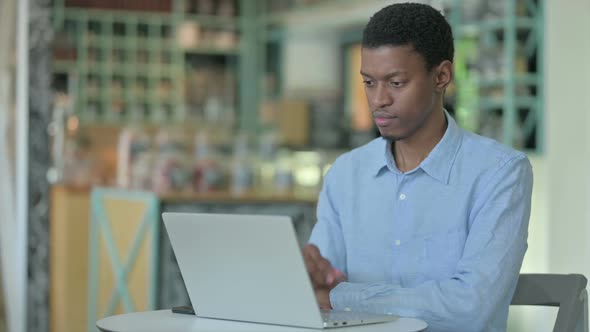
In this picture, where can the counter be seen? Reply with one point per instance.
(70, 238)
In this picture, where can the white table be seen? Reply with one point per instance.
(165, 320)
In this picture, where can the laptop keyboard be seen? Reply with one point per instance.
(345, 316)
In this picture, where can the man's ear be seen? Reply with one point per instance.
(443, 75)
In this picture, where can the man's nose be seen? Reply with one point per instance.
(382, 96)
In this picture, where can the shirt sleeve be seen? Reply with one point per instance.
(486, 275)
(327, 232)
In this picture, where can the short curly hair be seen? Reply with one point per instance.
(418, 25)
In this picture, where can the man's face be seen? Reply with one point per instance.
(400, 91)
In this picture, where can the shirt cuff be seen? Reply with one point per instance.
(346, 295)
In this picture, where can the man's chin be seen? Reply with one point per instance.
(392, 138)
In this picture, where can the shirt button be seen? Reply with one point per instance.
(402, 197)
(398, 242)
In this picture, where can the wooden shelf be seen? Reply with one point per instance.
(248, 197)
(309, 197)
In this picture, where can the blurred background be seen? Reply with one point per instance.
(114, 111)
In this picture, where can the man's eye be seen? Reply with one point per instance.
(367, 82)
(396, 84)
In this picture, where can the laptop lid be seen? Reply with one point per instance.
(243, 267)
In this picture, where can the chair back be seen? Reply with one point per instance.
(566, 291)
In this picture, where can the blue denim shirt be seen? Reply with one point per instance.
(443, 242)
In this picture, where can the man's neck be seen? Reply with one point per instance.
(410, 152)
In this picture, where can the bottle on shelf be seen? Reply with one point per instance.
(283, 177)
(171, 172)
(241, 171)
(132, 142)
(207, 172)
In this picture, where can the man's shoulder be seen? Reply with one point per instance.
(363, 154)
(488, 153)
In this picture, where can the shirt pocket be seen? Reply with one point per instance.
(411, 254)
(442, 253)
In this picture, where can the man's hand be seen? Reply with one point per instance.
(324, 277)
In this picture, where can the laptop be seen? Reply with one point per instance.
(249, 268)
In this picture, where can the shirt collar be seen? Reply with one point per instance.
(440, 160)
(438, 163)
(381, 156)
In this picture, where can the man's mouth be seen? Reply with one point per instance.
(383, 120)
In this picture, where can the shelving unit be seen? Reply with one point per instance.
(151, 65)
(499, 77)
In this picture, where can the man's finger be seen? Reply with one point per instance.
(311, 251)
(324, 271)
(337, 275)
(313, 268)
(317, 266)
